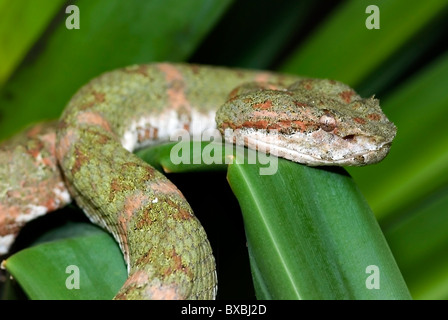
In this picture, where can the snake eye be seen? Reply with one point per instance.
(327, 122)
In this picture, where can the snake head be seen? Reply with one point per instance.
(313, 121)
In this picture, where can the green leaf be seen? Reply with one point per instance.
(42, 270)
(344, 49)
(112, 34)
(311, 235)
(258, 43)
(419, 241)
(418, 161)
(408, 59)
(21, 24)
(161, 157)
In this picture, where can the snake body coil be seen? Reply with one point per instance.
(164, 245)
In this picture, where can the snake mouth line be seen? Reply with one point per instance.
(359, 158)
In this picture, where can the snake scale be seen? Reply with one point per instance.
(87, 156)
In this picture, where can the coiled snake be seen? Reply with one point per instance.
(87, 156)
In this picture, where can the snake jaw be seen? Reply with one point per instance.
(310, 148)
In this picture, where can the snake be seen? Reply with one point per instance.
(87, 156)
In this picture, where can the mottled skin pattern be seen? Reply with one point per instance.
(31, 183)
(316, 122)
(313, 121)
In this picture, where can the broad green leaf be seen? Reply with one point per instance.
(112, 34)
(46, 271)
(419, 241)
(311, 235)
(418, 161)
(21, 23)
(405, 61)
(343, 48)
(189, 156)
